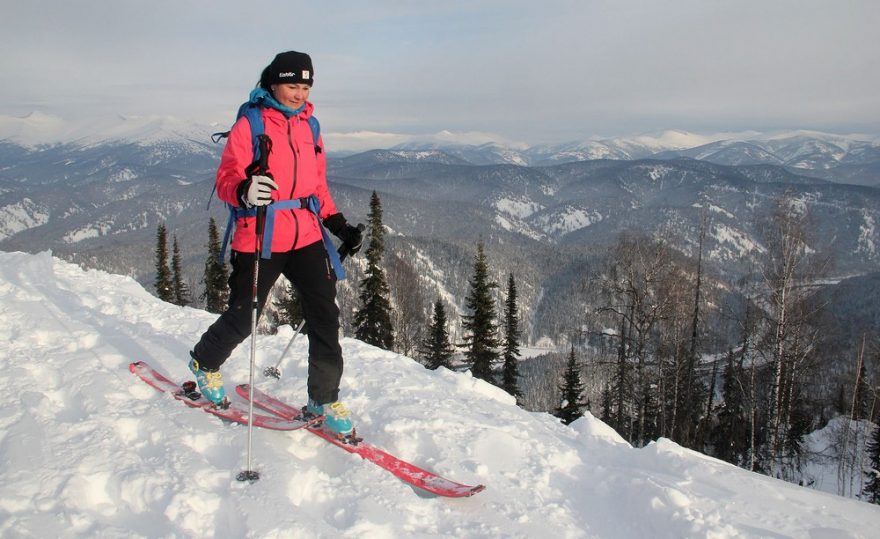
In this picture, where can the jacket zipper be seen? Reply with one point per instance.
(293, 187)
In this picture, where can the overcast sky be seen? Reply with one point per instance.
(532, 72)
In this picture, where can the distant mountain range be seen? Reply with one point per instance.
(839, 158)
(832, 157)
(544, 213)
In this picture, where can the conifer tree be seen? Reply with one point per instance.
(571, 406)
(164, 284)
(436, 349)
(289, 308)
(871, 489)
(510, 369)
(730, 436)
(216, 278)
(373, 320)
(482, 337)
(181, 289)
(607, 404)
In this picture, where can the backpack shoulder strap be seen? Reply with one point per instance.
(316, 133)
(254, 115)
(255, 118)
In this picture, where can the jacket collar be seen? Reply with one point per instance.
(261, 97)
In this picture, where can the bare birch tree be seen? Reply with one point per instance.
(791, 268)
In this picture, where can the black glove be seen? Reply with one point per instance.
(352, 237)
(256, 191)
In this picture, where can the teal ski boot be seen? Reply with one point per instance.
(210, 383)
(337, 419)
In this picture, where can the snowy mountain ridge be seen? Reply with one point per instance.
(38, 129)
(818, 150)
(90, 451)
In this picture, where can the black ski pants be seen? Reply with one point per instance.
(310, 272)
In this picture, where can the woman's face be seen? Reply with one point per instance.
(291, 95)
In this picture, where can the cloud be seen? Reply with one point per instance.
(527, 71)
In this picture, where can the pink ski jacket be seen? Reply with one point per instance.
(296, 167)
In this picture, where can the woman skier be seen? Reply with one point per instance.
(291, 187)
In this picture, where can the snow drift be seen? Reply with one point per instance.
(89, 450)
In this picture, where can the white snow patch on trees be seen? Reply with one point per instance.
(122, 175)
(568, 220)
(21, 216)
(867, 233)
(520, 208)
(732, 243)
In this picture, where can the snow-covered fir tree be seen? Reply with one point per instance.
(481, 332)
(436, 350)
(164, 283)
(730, 434)
(571, 404)
(373, 320)
(216, 278)
(288, 309)
(510, 367)
(871, 489)
(181, 289)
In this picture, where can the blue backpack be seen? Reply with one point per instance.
(254, 114)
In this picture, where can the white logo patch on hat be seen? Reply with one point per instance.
(305, 74)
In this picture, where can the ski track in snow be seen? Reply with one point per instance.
(91, 451)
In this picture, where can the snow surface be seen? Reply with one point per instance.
(836, 456)
(89, 450)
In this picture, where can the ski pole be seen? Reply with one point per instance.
(248, 474)
(275, 372)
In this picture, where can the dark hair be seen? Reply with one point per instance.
(264, 82)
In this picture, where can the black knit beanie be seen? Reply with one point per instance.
(289, 67)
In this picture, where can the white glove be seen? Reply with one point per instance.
(257, 191)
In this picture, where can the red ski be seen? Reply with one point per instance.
(409, 473)
(234, 412)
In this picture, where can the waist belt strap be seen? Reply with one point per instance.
(311, 203)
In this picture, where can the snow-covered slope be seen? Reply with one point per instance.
(88, 450)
